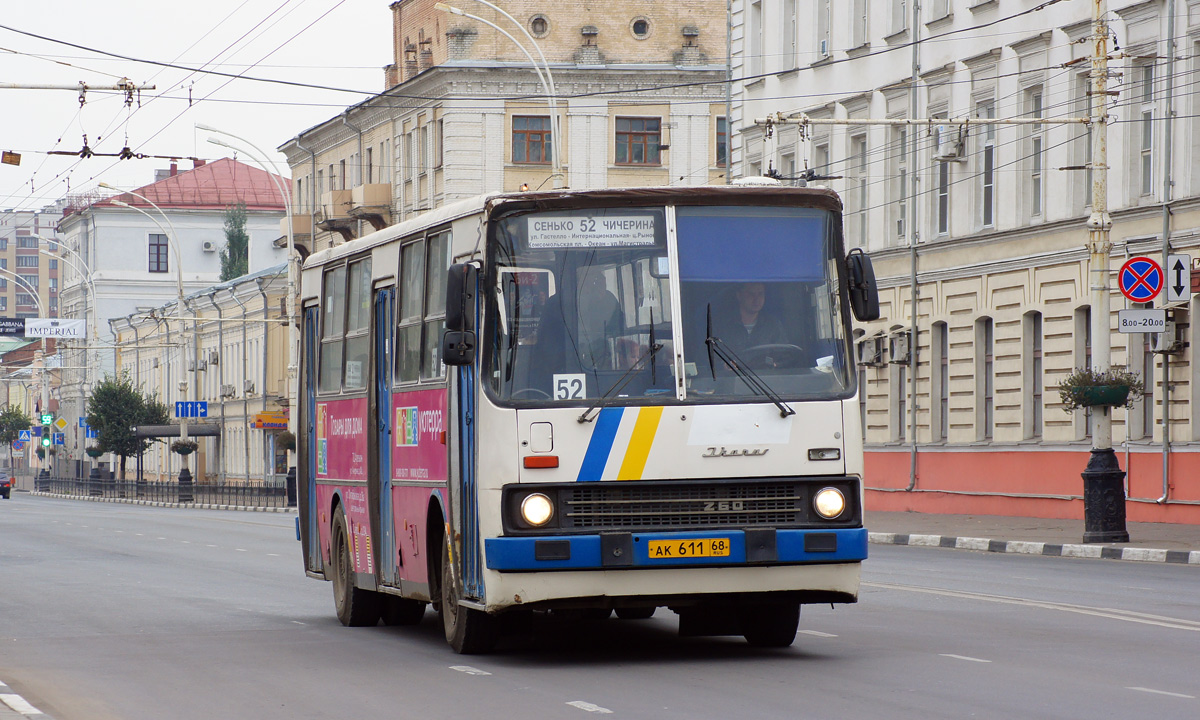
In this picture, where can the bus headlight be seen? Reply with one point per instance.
(829, 502)
(536, 509)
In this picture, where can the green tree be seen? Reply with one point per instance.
(235, 256)
(12, 421)
(115, 407)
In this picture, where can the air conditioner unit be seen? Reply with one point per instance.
(227, 391)
(1167, 342)
(248, 387)
(154, 362)
(208, 246)
(899, 350)
(870, 351)
(949, 142)
(213, 357)
(202, 366)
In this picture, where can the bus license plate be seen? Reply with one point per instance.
(701, 547)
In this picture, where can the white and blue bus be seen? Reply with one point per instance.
(608, 400)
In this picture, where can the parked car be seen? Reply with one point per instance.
(5, 484)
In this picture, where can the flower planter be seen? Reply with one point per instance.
(1102, 395)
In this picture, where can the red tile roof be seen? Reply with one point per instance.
(214, 185)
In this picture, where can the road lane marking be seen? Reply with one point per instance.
(816, 633)
(1110, 613)
(968, 658)
(469, 670)
(589, 707)
(18, 704)
(1162, 692)
(240, 550)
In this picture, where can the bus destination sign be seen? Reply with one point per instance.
(575, 231)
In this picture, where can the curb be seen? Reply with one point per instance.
(1100, 552)
(154, 503)
(19, 705)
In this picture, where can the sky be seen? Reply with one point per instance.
(339, 44)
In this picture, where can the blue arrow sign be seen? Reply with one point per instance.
(93, 434)
(83, 422)
(202, 409)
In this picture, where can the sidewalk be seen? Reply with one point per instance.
(14, 707)
(1149, 542)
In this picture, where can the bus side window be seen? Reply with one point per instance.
(435, 306)
(333, 324)
(358, 299)
(408, 315)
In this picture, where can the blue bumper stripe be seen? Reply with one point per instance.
(516, 554)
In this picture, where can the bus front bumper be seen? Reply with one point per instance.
(616, 550)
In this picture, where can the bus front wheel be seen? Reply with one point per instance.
(355, 606)
(770, 625)
(469, 631)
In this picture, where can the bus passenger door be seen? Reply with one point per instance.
(308, 501)
(382, 333)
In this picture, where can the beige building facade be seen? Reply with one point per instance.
(638, 95)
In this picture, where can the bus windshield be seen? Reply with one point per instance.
(598, 304)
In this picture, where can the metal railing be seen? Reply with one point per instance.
(273, 492)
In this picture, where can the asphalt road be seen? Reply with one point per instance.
(125, 612)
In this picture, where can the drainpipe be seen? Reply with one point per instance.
(263, 390)
(212, 299)
(245, 402)
(1166, 233)
(346, 122)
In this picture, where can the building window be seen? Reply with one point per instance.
(899, 16)
(53, 264)
(3, 302)
(901, 402)
(638, 141)
(858, 23)
(25, 299)
(941, 384)
(1033, 375)
(858, 161)
(539, 26)
(531, 140)
(1147, 399)
(900, 188)
(823, 24)
(30, 280)
(158, 253)
(722, 142)
(640, 27)
(423, 150)
(754, 38)
(985, 378)
(1083, 354)
(790, 28)
(1145, 94)
(26, 241)
(438, 151)
(1083, 94)
(940, 9)
(29, 261)
(1037, 141)
(943, 198)
(987, 169)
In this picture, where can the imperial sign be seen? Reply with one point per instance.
(54, 328)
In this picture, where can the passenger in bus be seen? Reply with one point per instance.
(741, 322)
(600, 321)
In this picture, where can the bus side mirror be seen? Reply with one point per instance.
(864, 294)
(458, 342)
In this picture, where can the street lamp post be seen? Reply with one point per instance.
(547, 80)
(185, 475)
(263, 159)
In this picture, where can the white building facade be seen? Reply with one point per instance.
(985, 224)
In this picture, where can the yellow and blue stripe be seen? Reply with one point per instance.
(604, 435)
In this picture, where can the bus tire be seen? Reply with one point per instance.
(771, 625)
(402, 611)
(355, 606)
(469, 631)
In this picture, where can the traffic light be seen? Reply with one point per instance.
(45, 441)
(47, 418)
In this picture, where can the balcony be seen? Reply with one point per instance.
(373, 203)
(301, 233)
(335, 213)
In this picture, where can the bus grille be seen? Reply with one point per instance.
(600, 506)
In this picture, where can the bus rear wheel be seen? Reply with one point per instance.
(469, 631)
(355, 606)
(770, 625)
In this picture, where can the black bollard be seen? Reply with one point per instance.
(1104, 499)
(95, 483)
(185, 486)
(291, 486)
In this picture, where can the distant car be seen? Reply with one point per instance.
(5, 484)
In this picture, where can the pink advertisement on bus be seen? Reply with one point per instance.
(342, 439)
(419, 435)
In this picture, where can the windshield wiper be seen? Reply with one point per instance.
(741, 369)
(621, 383)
